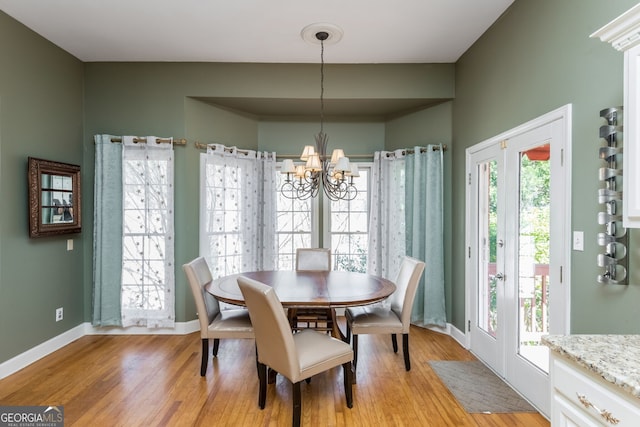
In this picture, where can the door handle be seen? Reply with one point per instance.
(499, 276)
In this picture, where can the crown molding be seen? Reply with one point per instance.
(623, 32)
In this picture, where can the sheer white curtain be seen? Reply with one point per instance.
(387, 238)
(238, 210)
(148, 282)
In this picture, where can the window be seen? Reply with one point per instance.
(345, 225)
(147, 241)
(237, 208)
(296, 220)
(223, 235)
(347, 230)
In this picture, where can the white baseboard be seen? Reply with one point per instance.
(453, 332)
(36, 353)
(458, 335)
(41, 350)
(180, 328)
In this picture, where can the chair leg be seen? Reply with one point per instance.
(216, 344)
(394, 342)
(205, 357)
(347, 337)
(348, 381)
(297, 404)
(257, 364)
(405, 351)
(262, 391)
(355, 352)
(293, 318)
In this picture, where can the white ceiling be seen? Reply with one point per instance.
(375, 31)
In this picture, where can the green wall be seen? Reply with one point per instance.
(534, 59)
(160, 99)
(41, 113)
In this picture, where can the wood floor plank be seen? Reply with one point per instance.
(155, 381)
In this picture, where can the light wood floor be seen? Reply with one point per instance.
(155, 381)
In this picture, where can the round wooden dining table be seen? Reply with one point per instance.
(310, 289)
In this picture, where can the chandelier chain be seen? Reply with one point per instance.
(321, 85)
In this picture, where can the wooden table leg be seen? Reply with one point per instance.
(336, 332)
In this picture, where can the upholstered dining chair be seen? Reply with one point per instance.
(214, 323)
(312, 259)
(296, 356)
(394, 317)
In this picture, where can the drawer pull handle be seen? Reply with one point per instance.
(608, 416)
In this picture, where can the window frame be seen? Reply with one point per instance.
(321, 214)
(327, 213)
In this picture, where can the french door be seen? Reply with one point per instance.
(517, 228)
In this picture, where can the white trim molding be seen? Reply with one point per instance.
(36, 353)
(41, 350)
(623, 32)
(180, 328)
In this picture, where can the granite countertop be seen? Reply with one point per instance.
(615, 358)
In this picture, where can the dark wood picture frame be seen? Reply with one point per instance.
(54, 198)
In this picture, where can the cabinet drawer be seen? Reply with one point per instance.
(608, 404)
(566, 414)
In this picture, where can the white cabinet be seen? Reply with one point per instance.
(624, 35)
(581, 398)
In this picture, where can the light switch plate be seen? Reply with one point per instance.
(578, 241)
(69, 244)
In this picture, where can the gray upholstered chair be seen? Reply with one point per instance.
(296, 356)
(391, 318)
(214, 323)
(312, 259)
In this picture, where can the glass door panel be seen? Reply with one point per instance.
(487, 226)
(533, 254)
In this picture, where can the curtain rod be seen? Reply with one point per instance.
(422, 150)
(177, 141)
(203, 146)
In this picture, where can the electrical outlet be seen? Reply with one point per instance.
(59, 314)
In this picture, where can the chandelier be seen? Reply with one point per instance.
(334, 174)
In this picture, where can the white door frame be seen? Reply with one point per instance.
(560, 315)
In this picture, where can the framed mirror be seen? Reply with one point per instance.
(54, 198)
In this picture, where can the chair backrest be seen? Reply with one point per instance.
(313, 259)
(274, 339)
(207, 306)
(406, 285)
